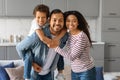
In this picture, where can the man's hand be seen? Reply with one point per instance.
(36, 67)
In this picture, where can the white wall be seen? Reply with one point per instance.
(21, 26)
(11, 26)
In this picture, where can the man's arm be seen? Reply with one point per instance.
(60, 64)
(60, 68)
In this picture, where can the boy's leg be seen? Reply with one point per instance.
(25, 45)
(28, 64)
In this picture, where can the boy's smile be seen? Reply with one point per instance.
(41, 18)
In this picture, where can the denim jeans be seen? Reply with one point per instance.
(28, 65)
(36, 76)
(24, 46)
(25, 53)
(87, 75)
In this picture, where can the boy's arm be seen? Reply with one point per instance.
(50, 42)
(61, 34)
(42, 37)
(55, 41)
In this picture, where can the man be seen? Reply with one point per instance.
(43, 56)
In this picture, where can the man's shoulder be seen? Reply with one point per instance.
(66, 34)
(65, 37)
(46, 27)
(46, 30)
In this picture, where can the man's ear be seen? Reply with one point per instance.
(48, 20)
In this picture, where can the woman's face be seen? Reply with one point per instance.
(72, 22)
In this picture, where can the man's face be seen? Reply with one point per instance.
(41, 18)
(56, 22)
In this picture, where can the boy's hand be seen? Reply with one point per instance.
(36, 67)
(54, 43)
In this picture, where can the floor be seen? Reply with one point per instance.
(112, 76)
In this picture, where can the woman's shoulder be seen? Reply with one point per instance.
(82, 35)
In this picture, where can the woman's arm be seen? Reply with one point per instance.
(76, 51)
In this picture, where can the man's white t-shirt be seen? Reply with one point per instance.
(49, 60)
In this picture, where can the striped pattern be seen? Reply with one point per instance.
(77, 50)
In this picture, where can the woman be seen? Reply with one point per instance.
(78, 46)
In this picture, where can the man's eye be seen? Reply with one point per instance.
(54, 20)
(61, 20)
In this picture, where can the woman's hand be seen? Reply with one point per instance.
(36, 67)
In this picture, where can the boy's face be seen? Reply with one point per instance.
(41, 18)
(56, 22)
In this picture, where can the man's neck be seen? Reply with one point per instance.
(55, 33)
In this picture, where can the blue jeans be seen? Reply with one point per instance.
(24, 46)
(87, 75)
(36, 76)
(28, 65)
